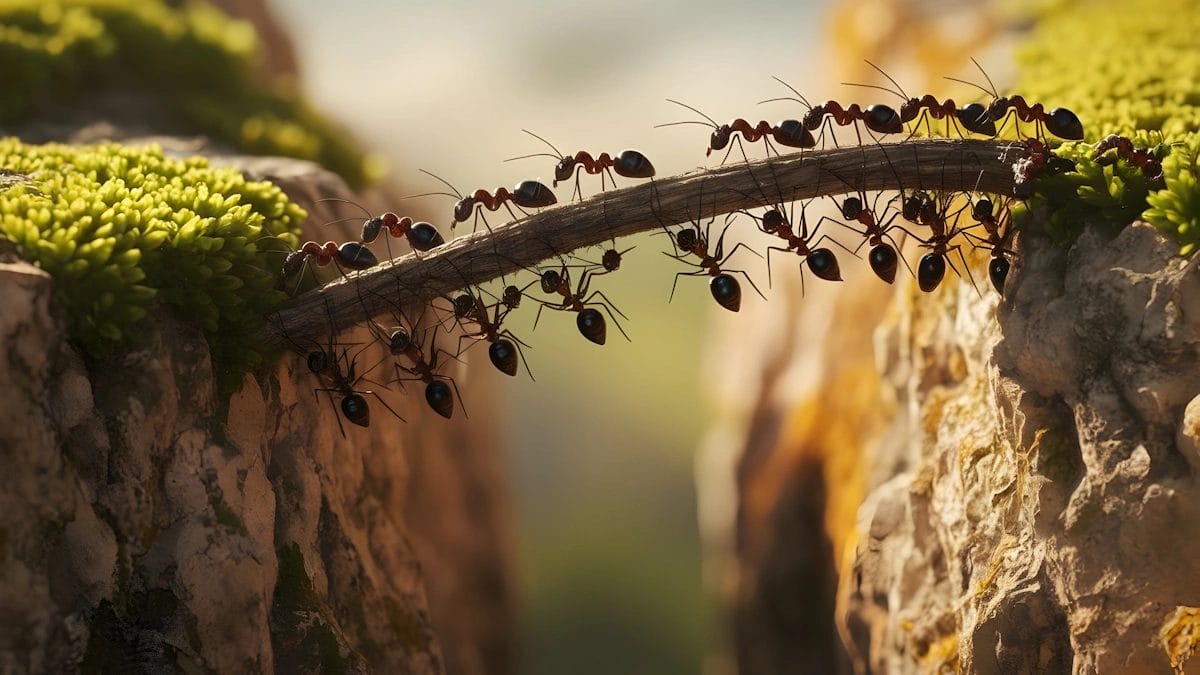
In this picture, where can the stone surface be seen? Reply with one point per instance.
(142, 525)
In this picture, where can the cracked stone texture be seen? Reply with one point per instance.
(137, 529)
(1026, 482)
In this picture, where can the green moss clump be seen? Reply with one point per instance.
(194, 57)
(119, 227)
(1128, 68)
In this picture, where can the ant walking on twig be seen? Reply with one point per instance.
(790, 133)
(878, 118)
(529, 194)
(971, 116)
(421, 236)
(1060, 122)
(629, 163)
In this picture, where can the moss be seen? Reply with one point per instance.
(301, 633)
(197, 59)
(121, 228)
(1127, 68)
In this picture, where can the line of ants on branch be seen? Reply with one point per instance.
(479, 314)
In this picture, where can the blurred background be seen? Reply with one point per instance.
(605, 441)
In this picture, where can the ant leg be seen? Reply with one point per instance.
(337, 413)
(958, 249)
(740, 245)
(609, 311)
(752, 284)
(518, 343)
(769, 249)
(681, 274)
(385, 404)
(605, 299)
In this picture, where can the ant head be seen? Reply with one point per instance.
(371, 229)
(318, 361)
(998, 108)
(511, 297)
(463, 209)
(399, 341)
(633, 164)
(719, 138)
(883, 119)
(982, 210)
(354, 407)
(463, 305)
(813, 118)
(772, 220)
(564, 169)
(914, 205)
(551, 281)
(852, 208)
(686, 239)
(611, 260)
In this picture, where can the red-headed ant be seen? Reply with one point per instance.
(351, 255)
(421, 236)
(629, 163)
(529, 194)
(1144, 159)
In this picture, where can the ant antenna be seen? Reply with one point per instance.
(799, 98)
(557, 154)
(711, 121)
(993, 92)
(898, 91)
(456, 194)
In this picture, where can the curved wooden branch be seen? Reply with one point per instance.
(940, 164)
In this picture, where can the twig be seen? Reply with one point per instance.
(939, 164)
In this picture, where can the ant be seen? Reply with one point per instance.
(878, 118)
(324, 362)
(505, 347)
(351, 255)
(421, 236)
(724, 287)
(972, 116)
(1039, 159)
(790, 133)
(821, 261)
(1060, 122)
(1143, 159)
(932, 267)
(437, 393)
(630, 164)
(998, 234)
(528, 194)
(589, 321)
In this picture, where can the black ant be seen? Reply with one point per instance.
(529, 194)
(589, 320)
(878, 118)
(1060, 122)
(790, 133)
(421, 236)
(972, 116)
(998, 233)
(350, 255)
(328, 363)
(630, 164)
(932, 267)
(437, 393)
(724, 287)
(505, 347)
(821, 261)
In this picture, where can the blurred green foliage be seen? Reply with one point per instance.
(198, 60)
(120, 227)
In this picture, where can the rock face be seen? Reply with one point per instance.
(140, 531)
(1030, 503)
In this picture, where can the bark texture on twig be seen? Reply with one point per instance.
(411, 280)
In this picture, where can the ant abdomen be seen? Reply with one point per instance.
(356, 256)
(503, 355)
(1064, 124)
(354, 407)
(424, 236)
(824, 264)
(726, 291)
(998, 273)
(883, 260)
(591, 325)
(976, 118)
(930, 271)
(793, 134)
(531, 194)
(438, 396)
(883, 119)
(633, 164)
